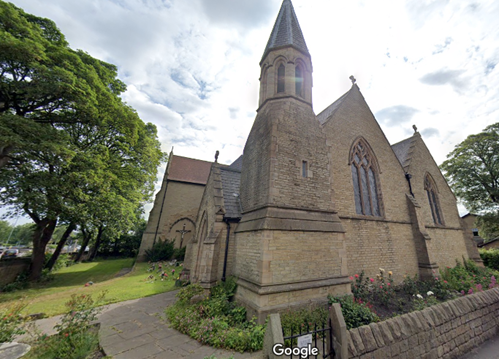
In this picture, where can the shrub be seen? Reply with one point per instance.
(20, 283)
(490, 258)
(215, 321)
(179, 253)
(303, 320)
(11, 322)
(185, 294)
(355, 311)
(160, 251)
(468, 277)
(76, 339)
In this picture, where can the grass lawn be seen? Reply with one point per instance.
(49, 298)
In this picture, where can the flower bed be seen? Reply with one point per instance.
(378, 298)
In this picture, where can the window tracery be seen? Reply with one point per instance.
(365, 178)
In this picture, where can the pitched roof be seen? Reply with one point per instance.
(402, 150)
(286, 31)
(330, 110)
(231, 180)
(237, 164)
(189, 170)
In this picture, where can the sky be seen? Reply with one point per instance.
(192, 67)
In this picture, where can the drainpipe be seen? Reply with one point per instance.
(408, 177)
(226, 248)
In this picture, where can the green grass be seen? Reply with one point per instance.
(49, 298)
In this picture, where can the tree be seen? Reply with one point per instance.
(43, 82)
(78, 156)
(472, 170)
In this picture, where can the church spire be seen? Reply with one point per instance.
(286, 31)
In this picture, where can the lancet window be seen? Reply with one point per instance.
(280, 78)
(298, 81)
(431, 192)
(365, 180)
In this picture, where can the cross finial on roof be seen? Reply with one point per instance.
(415, 128)
(216, 156)
(353, 79)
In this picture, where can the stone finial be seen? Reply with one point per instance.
(415, 128)
(353, 79)
(216, 156)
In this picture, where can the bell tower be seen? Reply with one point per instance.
(290, 242)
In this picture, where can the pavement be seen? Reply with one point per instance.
(137, 329)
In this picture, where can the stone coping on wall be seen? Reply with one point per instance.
(446, 330)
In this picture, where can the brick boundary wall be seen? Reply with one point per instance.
(446, 330)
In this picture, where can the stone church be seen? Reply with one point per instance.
(314, 199)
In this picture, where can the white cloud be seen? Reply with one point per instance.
(192, 67)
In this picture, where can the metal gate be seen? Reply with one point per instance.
(322, 339)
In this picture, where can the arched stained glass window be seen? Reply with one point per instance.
(280, 78)
(431, 192)
(298, 81)
(364, 178)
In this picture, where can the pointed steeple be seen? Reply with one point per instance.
(286, 31)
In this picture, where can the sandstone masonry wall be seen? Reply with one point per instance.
(447, 330)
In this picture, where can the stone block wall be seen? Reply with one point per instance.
(447, 330)
(11, 268)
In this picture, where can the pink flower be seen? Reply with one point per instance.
(371, 279)
(356, 276)
(388, 284)
(351, 278)
(470, 291)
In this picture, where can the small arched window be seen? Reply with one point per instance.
(364, 176)
(298, 81)
(280, 78)
(431, 192)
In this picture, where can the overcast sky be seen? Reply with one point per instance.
(192, 66)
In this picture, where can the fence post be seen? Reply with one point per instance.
(273, 335)
(339, 331)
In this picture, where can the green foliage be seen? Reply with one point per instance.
(469, 278)
(11, 322)
(160, 251)
(20, 283)
(72, 150)
(75, 338)
(179, 253)
(294, 321)
(420, 302)
(185, 294)
(215, 321)
(472, 170)
(355, 311)
(490, 258)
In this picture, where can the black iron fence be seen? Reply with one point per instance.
(299, 342)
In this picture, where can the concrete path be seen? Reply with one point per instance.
(137, 329)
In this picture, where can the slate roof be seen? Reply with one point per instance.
(329, 111)
(402, 149)
(237, 164)
(286, 31)
(231, 179)
(189, 170)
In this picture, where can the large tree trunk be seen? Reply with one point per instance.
(98, 242)
(86, 240)
(43, 233)
(60, 245)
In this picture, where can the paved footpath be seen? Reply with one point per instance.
(137, 329)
